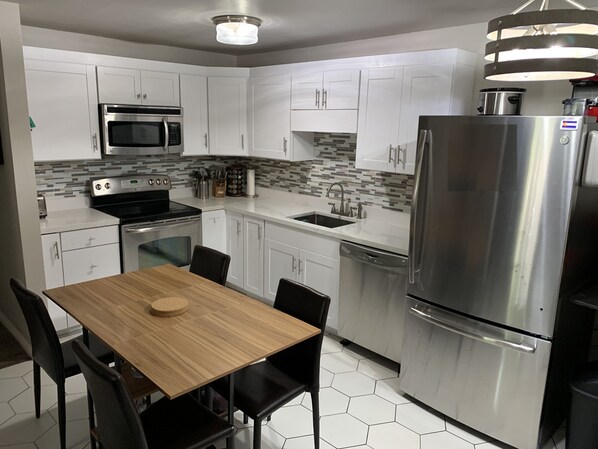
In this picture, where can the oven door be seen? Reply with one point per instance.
(149, 244)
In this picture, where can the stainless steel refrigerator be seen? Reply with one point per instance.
(504, 229)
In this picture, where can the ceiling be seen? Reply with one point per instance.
(286, 23)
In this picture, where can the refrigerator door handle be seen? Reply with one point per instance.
(469, 333)
(421, 146)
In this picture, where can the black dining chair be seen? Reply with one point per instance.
(181, 423)
(264, 387)
(210, 264)
(57, 359)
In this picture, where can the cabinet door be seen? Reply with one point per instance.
(234, 235)
(227, 112)
(270, 117)
(160, 88)
(340, 89)
(118, 85)
(194, 101)
(322, 274)
(213, 230)
(379, 116)
(426, 91)
(307, 91)
(91, 263)
(281, 261)
(53, 273)
(63, 104)
(254, 256)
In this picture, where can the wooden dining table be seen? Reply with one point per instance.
(221, 332)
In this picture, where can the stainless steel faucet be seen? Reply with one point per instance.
(341, 211)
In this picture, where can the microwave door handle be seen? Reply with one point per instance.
(166, 134)
(158, 228)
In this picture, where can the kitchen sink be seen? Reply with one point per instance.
(319, 219)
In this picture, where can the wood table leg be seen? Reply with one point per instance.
(230, 441)
(89, 399)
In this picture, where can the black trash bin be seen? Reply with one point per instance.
(582, 425)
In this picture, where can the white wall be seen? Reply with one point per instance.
(62, 40)
(19, 222)
(542, 98)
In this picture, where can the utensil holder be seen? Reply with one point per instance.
(202, 189)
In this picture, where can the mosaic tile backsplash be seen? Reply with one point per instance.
(334, 161)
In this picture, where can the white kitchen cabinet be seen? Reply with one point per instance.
(308, 258)
(213, 230)
(391, 101)
(194, 101)
(234, 248)
(52, 257)
(253, 273)
(131, 86)
(270, 121)
(86, 264)
(227, 116)
(63, 104)
(333, 89)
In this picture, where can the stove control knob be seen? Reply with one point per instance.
(107, 185)
(151, 182)
(158, 182)
(165, 181)
(98, 186)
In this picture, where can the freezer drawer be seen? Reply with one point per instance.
(483, 376)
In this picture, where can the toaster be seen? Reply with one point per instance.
(41, 205)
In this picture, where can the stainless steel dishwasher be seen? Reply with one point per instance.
(372, 298)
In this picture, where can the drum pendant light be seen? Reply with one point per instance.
(549, 44)
(234, 29)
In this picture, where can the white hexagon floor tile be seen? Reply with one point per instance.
(76, 407)
(75, 384)
(495, 445)
(419, 418)
(24, 402)
(18, 370)
(325, 378)
(444, 440)
(306, 442)
(354, 384)
(332, 402)
(11, 388)
(378, 368)
(389, 390)
(77, 436)
(338, 362)
(466, 433)
(270, 439)
(297, 401)
(292, 421)
(372, 409)
(25, 428)
(343, 430)
(392, 436)
(331, 344)
(21, 446)
(6, 412)
(44, 378)
(559, 438)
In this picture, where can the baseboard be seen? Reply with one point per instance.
(22, 339)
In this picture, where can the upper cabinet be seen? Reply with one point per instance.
(334, 89)
(227, 116)
(63, 105)
(270, 121)
(391, 102)
(194, 101)
(132, 86)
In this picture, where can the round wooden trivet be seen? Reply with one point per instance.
(171, 306)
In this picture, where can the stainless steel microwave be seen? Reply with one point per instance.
(132, 130)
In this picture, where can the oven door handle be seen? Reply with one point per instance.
(166, 134)
(159, 227)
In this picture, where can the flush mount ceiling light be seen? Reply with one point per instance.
(542, 45)
(236, 29)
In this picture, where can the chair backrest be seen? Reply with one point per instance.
(302, 361)
(45, 345)
(118, 423)
(210, 264)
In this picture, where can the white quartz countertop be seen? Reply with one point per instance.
(389, 233)
(74, 219)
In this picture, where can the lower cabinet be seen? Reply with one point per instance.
(213, 230)
(310, 259)
(253, 273)
(78, 256)
(234, 248)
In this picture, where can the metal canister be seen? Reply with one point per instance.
(501, 101)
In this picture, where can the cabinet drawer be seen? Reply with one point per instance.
(86, 238)
(90, 263)
(309, 241)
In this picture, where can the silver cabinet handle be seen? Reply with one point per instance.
(238, 227)
(400, 159)
(423, 135)
(469, 333)
(325, 98)
(259, 232)
(94, 139)
(294, 265)
(145, 96)
(92, 267)
(56, 252)
(166, 134)
(390, 159)
(242, 141)
(284, 145)
(317, 98)
(138, 96)
(159, 227)
(205, 140)
(300, 267)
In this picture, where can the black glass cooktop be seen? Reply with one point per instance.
(137, 212)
